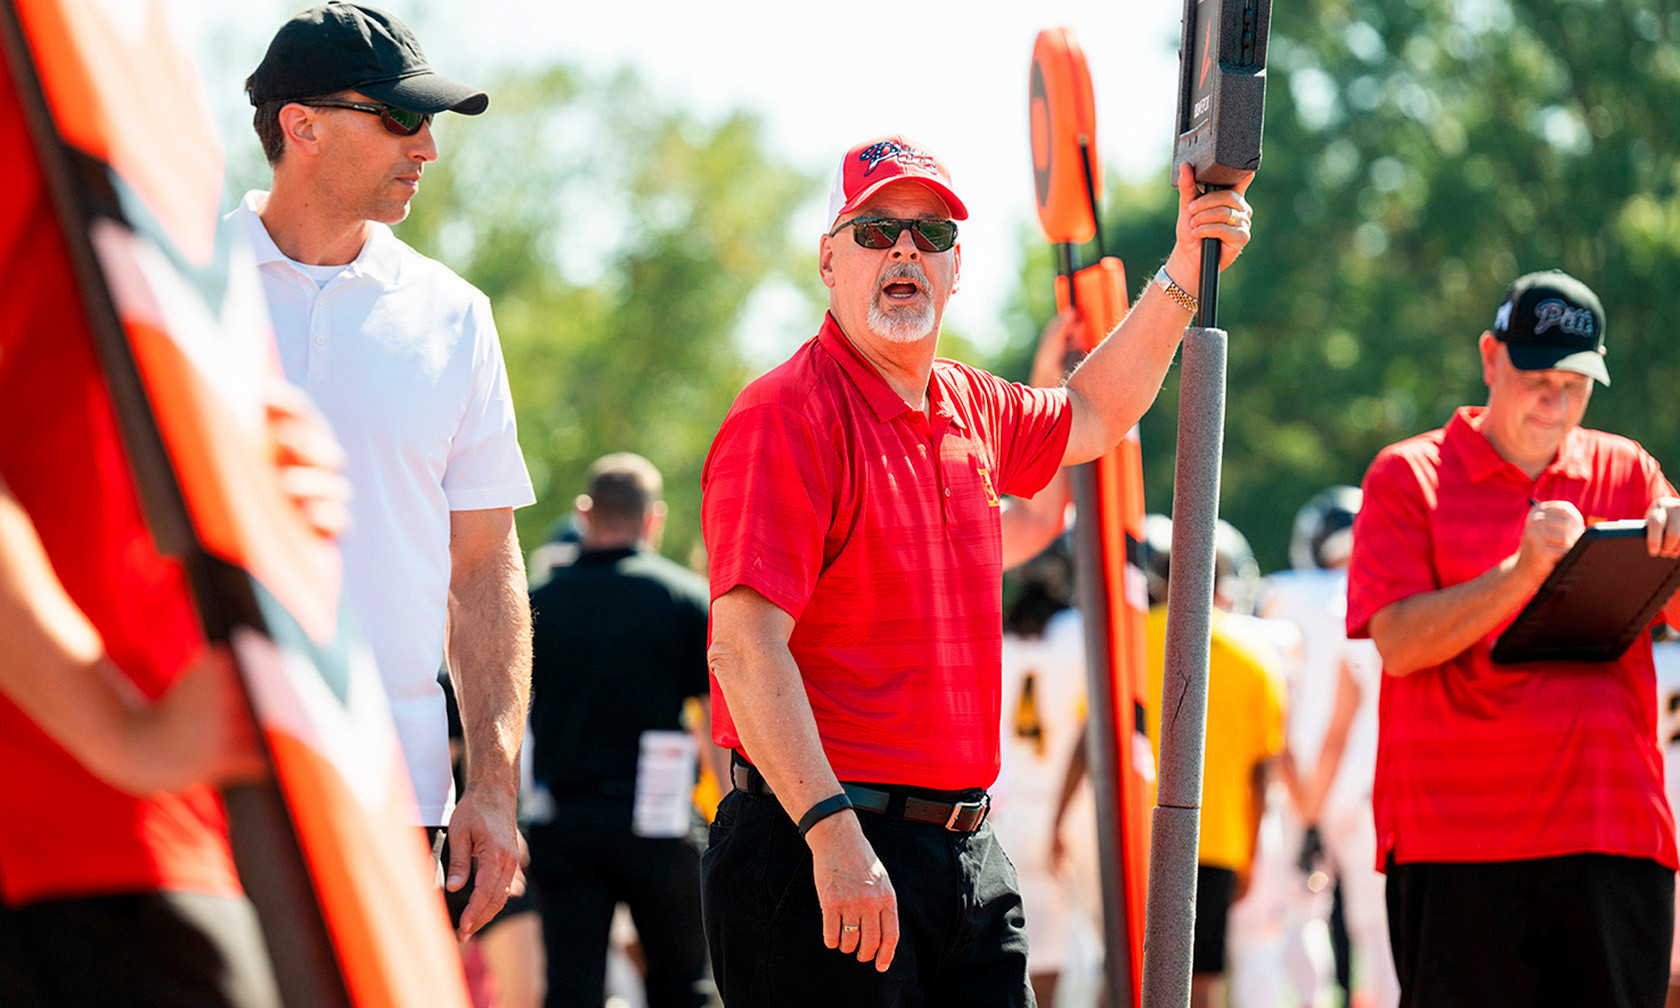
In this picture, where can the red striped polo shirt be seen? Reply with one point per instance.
(1485, 762)
(876, 528)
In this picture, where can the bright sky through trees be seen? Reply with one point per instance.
(950, 73)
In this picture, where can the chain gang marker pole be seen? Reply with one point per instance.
(1222, 88)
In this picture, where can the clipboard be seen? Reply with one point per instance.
(1599, 598)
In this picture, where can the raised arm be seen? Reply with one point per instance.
(749, 656)
(1119, 380)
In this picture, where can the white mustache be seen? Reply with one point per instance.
(901, 271)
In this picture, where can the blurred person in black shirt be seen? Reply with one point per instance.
(619, 647)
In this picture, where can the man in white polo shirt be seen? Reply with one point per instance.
(403, 358)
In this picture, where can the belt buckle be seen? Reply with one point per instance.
(982, 806)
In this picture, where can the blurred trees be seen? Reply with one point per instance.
(623, 245)
(1419, 155)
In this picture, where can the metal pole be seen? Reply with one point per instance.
(1102, 730)
(1091, 196)
(1208, 318)
(1171, 917)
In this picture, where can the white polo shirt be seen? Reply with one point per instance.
(402, 357)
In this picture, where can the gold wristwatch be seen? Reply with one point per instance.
(1185, 299)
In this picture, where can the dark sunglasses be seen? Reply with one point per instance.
(402, 122)
(883, 232)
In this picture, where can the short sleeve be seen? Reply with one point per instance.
(1657, 484)
(485, 468)
(766, 505)
(1033, 425)
(1391, 540)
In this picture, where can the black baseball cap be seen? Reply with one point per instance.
(347, 47)
(1552, 320)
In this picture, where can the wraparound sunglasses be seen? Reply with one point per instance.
(930, 235)
(402, 122)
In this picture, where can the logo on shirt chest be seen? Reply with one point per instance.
(986, 484)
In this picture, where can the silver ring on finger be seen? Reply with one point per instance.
(1231, 216)
(848, 927)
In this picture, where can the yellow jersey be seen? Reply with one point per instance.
(1244, 728)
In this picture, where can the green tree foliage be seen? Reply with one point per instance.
(622, 243)
(1419, 155)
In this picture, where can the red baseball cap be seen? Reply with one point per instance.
(875, 163)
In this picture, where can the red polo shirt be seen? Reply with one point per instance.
(62, 832)
(1485, 762)
(877, 530)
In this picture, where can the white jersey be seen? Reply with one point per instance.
(1043, 710)
(1666, 656)
(1284, 930)
(1276, 637)
(1316, 602)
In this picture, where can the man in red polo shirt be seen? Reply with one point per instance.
(851, 519)
(1519, 808)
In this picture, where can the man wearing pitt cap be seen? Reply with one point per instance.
(402, 357)
(851, 516)
(1519, 808)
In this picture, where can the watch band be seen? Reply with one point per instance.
(1185, 299)
(822, 810)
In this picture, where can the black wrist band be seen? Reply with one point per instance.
(822, 810)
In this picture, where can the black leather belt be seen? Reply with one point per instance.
(959, 816)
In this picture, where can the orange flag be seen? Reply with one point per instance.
(169, 307)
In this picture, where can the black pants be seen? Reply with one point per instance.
(961, 932)
(135, 950)
(1584, 931)
(1214, 888)
(583, 864)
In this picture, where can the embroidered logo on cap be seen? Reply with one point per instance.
(1574, 321)
(892, 150)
